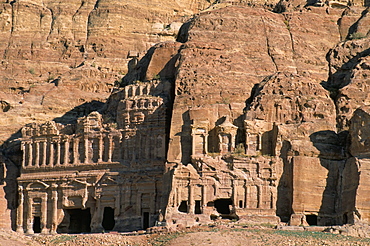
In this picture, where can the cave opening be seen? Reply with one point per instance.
(345, 219)
(145, 220)
(183, 207)
(311, 219)
(223, 206)
(79, 220)
(36, 224)
(108, 219)
(198, 209)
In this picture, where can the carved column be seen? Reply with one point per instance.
(117, 202)
(125, 151)
(20, 209)
(51, 153)
(152, 143)
(44, 214)
(192, 143)
(29, 218)
(138, 203)
(147, 147)
(137, 147)
(66, 151)
(259, 141)
(23, 148)
(134, 91)
(205, 148)
(265, 198)
(247, 197)
(245, 194)
(75, 150)
(191, 199)
(272, 199)
(259, 192)
(29, 154)
(96, 221)
(110, 147)
(126, 196)
(120, 149)
(204, 196)
(128, 149)
(86, 149)
(234, 185)
(177, 197)
(44, 145)
(220, 144)
(54, 216)
(232, 147)
(37, 154)
(126, 92)
(100, 148)
(57, 163)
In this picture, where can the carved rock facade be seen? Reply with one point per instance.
(94, 176)
(230, 130)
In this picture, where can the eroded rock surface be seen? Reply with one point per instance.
(56, 56)
(249, 115)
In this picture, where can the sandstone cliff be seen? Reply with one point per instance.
(51, 52)
(263, 113)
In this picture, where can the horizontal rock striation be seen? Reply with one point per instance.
(249, 114)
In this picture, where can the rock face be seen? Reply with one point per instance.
(249, 115)
(52, 51)
(94, 176)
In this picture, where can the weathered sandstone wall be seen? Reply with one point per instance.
(262, 116)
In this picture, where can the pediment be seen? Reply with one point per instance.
(37, 185)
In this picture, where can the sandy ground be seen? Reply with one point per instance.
(197, 236)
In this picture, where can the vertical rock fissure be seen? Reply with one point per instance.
(268, 45)
(287, 23)
(51, 24)
(73, 17)
(11, 31)
(88, 21)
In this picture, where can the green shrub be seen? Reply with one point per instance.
(31, 71)
(357, 35)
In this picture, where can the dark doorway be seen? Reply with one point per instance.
(240, 203)
(108, 219)
(311, 219)
(145, 220)
(79, 220)
(345, 219)
(36, 224)
(223, 205)
(183, 207)
(198, 210)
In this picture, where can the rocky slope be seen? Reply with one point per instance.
(304, 70)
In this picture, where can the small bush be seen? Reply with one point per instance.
(287, 24)
(31, 71)
(357, 35)
(213, 154)
(166, 238)
(62, 239)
